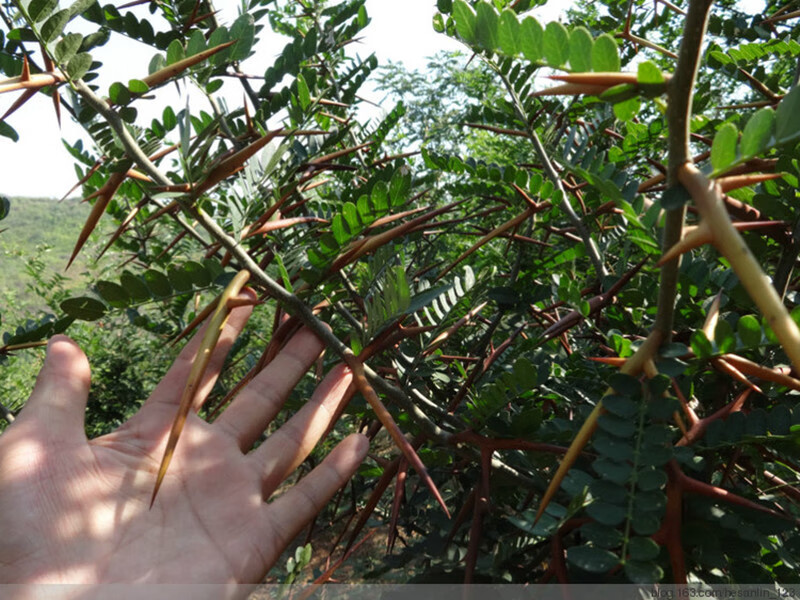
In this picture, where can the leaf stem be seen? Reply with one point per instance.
(591, 247)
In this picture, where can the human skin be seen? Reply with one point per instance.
(77, 511)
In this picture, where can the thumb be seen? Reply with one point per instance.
(59, 397)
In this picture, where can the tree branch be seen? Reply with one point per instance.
(681, 88)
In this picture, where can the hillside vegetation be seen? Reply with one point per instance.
(38, 235)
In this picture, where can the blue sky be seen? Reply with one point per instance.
(38, 165)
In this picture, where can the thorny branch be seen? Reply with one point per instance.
(291, 303)
(680, 91)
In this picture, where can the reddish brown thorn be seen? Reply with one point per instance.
(399, 493)
(283, 224)
(693, 237)
(720, 364)
(388, 422)
(26, 69)
(734, 182)
(24, 97)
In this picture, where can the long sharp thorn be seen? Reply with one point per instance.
(385, 417)
(26, 95)
(734, 182)
(207, 345)
(174, 69)
(712, 317)
(572, 89)
(35, 81)
(26, 69)
(57, 106)
(488, 237)
(632, 366)
(755, 370)
(603, 79)
(233, 163)
(724, 366)
(693, 237)
(104, 196)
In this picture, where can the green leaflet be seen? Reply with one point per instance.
(507, 34)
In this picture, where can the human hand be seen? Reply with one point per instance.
(74, 510)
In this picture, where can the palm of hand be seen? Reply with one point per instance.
(77, 511)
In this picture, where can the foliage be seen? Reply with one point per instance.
(473, 284)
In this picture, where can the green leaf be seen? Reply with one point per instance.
(8, 131)
(618, 426)
(648, 73)
(723, 149)
(625, 384)
(118, 93)
(465, 20)
(53, 27)
(643, 571)
(779, 420)
(531, 39)
(555, 44)
(39, 10)
(134, 286)
(175, 52)
(608, 491)
(594, 560)
(137, 86)
(79, 7)
(127, 114)
(179, 278)
(113, 293)
(580, 49)
(439, 27)
(642, 548)
(601, 535)
(749, 330)
(650, 479)
(757, 133)
(157, 282)
(700, 345)
(79, 65)
(243, 31)
(655, 456)
(168, 119)
(197, 273)
(605, 55)
(508, 32)
(303, 94)
(196, 43)
(621, 406)
(5, 207)
(350, 214)
(84, 308)
(645, 523)
(68, 46)
(627, 109)
(613, 447)
(787, 118)
(341, 232)
(613, 471)
(606, 513)
(486, 24)
(723, 336)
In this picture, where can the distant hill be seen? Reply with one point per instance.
(31, 225)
